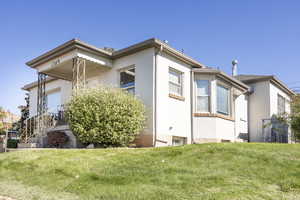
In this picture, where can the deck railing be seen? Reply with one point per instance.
(274, 130)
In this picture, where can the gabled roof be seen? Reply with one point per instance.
(225, 76)
(35, 84)
(248, 79)
(78, 44)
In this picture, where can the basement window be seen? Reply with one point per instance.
(178, 141)
(127, 80)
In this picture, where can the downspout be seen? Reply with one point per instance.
(155, 92)
(248, 115)
(235, 115)
(192, 105)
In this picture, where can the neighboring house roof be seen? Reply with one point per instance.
(77, 44)
(248, 79)
(35, 84)
(225, 76)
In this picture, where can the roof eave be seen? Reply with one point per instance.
(245, 88)
(272, 79)
(281, 85)
(64, 48)
(156, 43)
(29, 86)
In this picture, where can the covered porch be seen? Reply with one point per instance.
(74, 62)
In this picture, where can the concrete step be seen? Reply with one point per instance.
(27, 145)
(27, 149)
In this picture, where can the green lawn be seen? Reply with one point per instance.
(206, 171)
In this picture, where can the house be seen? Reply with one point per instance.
(187, 101)
(268, 97)
(9, 119)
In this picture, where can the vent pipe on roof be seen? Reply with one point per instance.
(234, 67)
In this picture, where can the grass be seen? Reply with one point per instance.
(206, 171)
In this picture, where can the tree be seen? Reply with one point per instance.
(2, 117)
(20, 126)
(293, 118)
(105, 116)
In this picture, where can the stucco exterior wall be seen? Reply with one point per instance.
(173, 115)
(225, 129)
(274, 91)
(262, 105)
(205, 128)
(259, 108)
(241, 117)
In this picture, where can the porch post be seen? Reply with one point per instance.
(78, 78)
(41, 98)
(41, 103)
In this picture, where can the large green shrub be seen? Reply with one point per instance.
(105, 116)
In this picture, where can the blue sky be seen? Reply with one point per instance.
(262, 35)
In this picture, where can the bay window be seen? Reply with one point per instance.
(223, 100)
(203, 96)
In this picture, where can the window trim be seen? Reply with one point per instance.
(229, 114)
(181, 78)
(209, 96)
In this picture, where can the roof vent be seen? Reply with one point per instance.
(109, 49)
(234, 67)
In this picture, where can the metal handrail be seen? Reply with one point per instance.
(39, 124)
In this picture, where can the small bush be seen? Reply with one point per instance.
(57, 139)
(105, 116)
(12, 143)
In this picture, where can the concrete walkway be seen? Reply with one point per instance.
(5, 198)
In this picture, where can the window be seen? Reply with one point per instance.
(127, 80)
(53, 101)
(281, 104)
(178, 141)
(175, 82)
(203, 96)
(223, 100)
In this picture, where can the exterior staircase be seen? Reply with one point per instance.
(37, 128)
